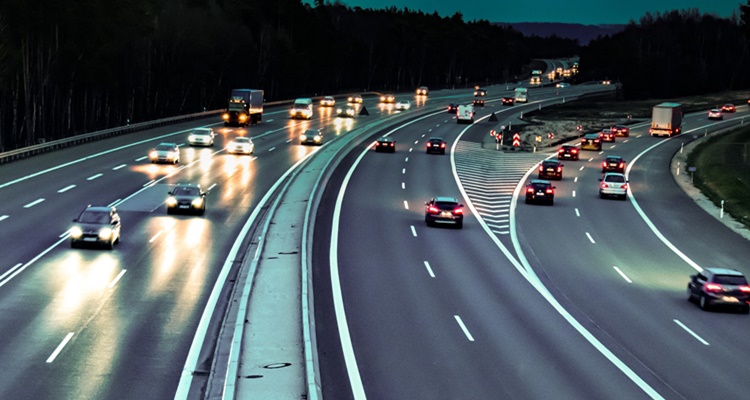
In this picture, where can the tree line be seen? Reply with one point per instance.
(68, 67)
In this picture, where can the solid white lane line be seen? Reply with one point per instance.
(463, 328)
(590, 238)
(117, 278)
(403, 185)
(575, 179)
(406, 204)
(10, 271)
(581, 169)
(60, 347)
(403, 171)
(2, 217)
(289, 140)
(622, 274)
(119, 167)
(17, 271)
(33, 203)
(413, 231)
(211, 187)
(272, 148)
(141, 159)
(429, 270)
(148, 183)
(578, 214)
(65, 189)
(155, 236)
(574, 193)
(700, 339)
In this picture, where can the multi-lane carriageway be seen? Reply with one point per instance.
(433, 313)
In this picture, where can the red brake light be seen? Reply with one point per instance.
(624, 186)
(574, 151)
(530, 190)
(393, 144)
(559, 169)
(622, 165)
(442, 144)
(549, 191)
(561, 151)
(433, 209)
(713, 287)
(604, 185)
(458, 211)
(744, 289)
(604, 163)
(541, 168)
(377, 143)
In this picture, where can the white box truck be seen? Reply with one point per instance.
(666, 119)
(465, 114)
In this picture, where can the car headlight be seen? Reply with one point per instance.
(225, 116)
(302, 137)
(191, 138)
(76, 232)
(105, 233)
(153, 154)
(243, 117)
(197, 202)
(171, 154)
(171, 201)
(317, 138)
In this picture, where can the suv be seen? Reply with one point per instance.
(714, 286)
(591, 141)
(539, 190)
(436, 145)
(613, 164)
(550, 169)
(567, 151)
(444, 210)
(186, 197)
(96, 225)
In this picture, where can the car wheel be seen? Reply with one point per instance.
(624, 197)
(703, 302)
(460, 225)
(746, 310)
(601, 195)
(690, 297)
(552, 202)
(73, 244)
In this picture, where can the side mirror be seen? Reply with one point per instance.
(169, 192)
(600, 179)
(461, 205)
(75, 219)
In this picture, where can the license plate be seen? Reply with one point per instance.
(184, 206)
(445, 214)
(89, 239)
(540, 193)
(730, 299)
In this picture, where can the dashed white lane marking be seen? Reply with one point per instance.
(141, 158)
(117, 278)
(119, 167)
(33, 203)
(272, 148)
(288, 141)
(429, 270)
(2, 217)
(574, 193)
(463, 328)
(575, 179)
(700, 339)
(590, 238)
(403, 185)
(91, 178)
(410, 149)
(407, 159)
(591, 159)
(211, 187)
(413, 231)
(625, 141)
(406, 204)
(622, 274)
(416, 141)
(60, 347)
(578, 214)
(65, 189)
(403, 171)
(155, 236)
(581, 169)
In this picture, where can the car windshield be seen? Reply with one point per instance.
(613, 159)
(730, 280)
(615, 178)
(185, 191)
(164, 147)
(94, 217)
(241, 140)
(201, 132)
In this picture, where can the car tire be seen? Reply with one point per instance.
(601, 195)
(428, 222)
(690, 296)
(703, 302)
(73, 244)
(746, 310)
(170, 211)
(551, 202)
(460, 225)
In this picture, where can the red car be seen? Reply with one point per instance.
(621, 130)
(607, 135)
(730, 108)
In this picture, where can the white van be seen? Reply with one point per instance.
(465, 114)
(302, 108)
(522, 95)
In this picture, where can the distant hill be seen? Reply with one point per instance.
(584, 33)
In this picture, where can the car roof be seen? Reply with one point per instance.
(202, 129)
(551, 162)
(568, 145)
(724, 271)
(617, 157)
(242, 138)
(445, 199)
(385, 139)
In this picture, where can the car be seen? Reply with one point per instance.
(201, 137)
(423, 91)
(166, 153)
(540, 191)
(478, 101)
(613, 164)
(480, 92)
(613, 184)
(346, 112)
(403, 105)
(386, 144)
(444, 210)
(452, 108)
(97, 225)
(621, 130)
(719, 286)
(562, 85)
(436, 145)
(311, 136)
(567, 152)
(186, 197)
(241, 145)
(356, 99)
(607, 135)
(591, 141)
(728, 108)
(606, 82)
(387, 99)
(327, 101)
(715, 114)
(550, 169)
(509, 101)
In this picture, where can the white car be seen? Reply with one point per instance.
(327, 101)
(165, 153)
(715, 114)
(201, 137)
(563, 85)
(613, 184)
(403, 105)
(241, 145)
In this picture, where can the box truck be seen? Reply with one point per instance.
(245, 107)
(666, 119)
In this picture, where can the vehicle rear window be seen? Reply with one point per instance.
(445, 205)
(730, 280)
(615, 178)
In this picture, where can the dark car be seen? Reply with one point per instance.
(188, 198)
(540, 191)
(607, 135)
(311, 136)
(444, 210)
(479, 101)
(96, 225)
(621, 130)
(567, 152)
(480, 92)
(452, 108)
(550, 169)
(728, 108)
(436, 145)
(719, 286)
(386, 143)
(613, 164)
(509, 101)
(591, 141)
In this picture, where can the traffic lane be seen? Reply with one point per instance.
(446, 255)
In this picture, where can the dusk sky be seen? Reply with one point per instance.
(587, 12)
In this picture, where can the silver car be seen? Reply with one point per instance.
(241, 145)
(201, 137)
(165, 153)
(613, 184)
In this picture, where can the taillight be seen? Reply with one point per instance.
(433, 210)
(604, 185)
(574, 151)
(713, 287)
(622, 165)
(561, 151)
(530, 190)
(541, 168)
(377, 143)
(604, 164)
(549, 191)
(624, 186)
(559, 169)
(744, 289)
(429, 144)
(442, 144)
(458, 211)
(393, 144)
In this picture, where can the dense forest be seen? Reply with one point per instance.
(69, 67)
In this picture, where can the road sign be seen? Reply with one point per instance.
(516, 140)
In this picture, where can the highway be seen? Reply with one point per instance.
(585, 299)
